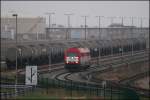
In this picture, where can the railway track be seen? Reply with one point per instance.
(103, 68)
(109, 65)
(106, 68)
(128, 81)
(64, 75)
(134, 77)
(53, 67)
(106, 64)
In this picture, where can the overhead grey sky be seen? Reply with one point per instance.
(80, 8)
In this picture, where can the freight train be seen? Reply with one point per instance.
(39, 55)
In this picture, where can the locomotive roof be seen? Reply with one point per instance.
(83, 50)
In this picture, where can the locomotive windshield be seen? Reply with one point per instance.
(71, 54)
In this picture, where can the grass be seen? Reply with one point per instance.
(7, 90)
(62, 93)
(144, 98)
(57, 93)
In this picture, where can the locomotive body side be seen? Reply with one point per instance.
(85, 57)
(77, 59)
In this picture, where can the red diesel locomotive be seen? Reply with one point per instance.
(77, 58)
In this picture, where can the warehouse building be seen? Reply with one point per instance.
(112, 32)
(28, 28)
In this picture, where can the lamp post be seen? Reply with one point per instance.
(49, 14)
(15, 15)
(68, 31)
(85, 18)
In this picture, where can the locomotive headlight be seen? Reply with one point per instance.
(76, 59)
(67, 60)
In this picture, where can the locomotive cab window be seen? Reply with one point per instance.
(71, 54)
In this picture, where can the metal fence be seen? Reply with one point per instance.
(8, 91)
(91, 90)
(107, 93)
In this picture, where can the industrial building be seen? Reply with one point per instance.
(27, 28)
(96, 33)
(35, 29)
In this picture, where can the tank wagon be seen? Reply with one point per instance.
(39, 54)
(33, 55)
(77, 58)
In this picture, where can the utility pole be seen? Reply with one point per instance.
(140, 30)
(16, 15)
(49, 57)
(132, 33)
(142, 34)
(49, 14)
(68, 31)
(85, 18)
(141, 20)
(122, 35)
(122, 23)
(112, 21)
(99, 25)
(122, 20)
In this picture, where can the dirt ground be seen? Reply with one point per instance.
(127, 71)
(142, 83)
